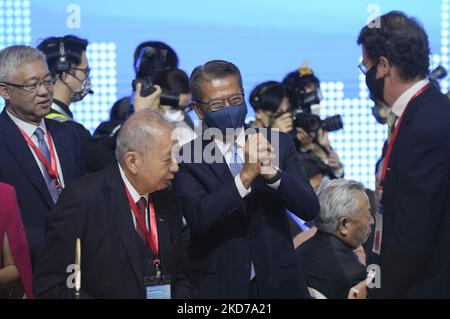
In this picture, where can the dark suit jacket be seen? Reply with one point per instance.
(229, 232)
(19, 169)
(415, 250)
(96, 210)
(330, 266)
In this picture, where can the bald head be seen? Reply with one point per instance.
(140, 132)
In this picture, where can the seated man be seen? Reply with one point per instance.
(330, 266)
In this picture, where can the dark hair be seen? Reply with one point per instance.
(313, 165)
(400, 39)
(74, 47)
(120, 109)
(215, 69)
(268, 96)
(171, 57)
(175, 81)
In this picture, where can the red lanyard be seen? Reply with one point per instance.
(394, 136)
(51, 167)
(152, 238)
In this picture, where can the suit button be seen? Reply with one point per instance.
(246, 266)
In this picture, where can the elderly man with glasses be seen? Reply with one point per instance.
(39, 157)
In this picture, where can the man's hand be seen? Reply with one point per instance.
(258, 159)
(283, 123)
(305, 138)
(150, 102)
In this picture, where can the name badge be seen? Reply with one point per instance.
(158, 287)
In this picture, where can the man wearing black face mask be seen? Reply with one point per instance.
(67, 61)
(412, 241)
(234, 201)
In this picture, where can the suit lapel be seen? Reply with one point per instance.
(20, 150)
(162, 224)
(219, 165)
(117, 201)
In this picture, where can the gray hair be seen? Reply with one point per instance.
(337, 199)
(215, 69)
(138, 133)
(15, 56)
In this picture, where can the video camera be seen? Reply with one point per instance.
(149, 62)
(305, 96)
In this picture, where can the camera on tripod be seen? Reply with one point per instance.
(149, 63)
(305, 97)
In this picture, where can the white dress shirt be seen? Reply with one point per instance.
(29, 129)
(400, 104)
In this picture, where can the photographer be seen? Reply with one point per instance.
(270, 101)
(312, 132)
(176, 82)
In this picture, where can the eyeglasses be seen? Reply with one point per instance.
(363, 68)
(34, 87)
(219, 104)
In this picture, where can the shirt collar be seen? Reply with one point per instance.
(62, 108)
(400, 104)
(28, 128)
(133, 192)
(240, 141)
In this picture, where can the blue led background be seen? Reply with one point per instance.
(266, 39)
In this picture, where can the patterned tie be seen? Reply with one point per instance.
(141, 205)
(39, 133)
(236, 164)
(391, 119)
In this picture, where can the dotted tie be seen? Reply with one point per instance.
(391, 119)
(39, 133)
(236, 164)
(141, 205)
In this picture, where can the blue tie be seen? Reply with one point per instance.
(236, 164)
(39, 133)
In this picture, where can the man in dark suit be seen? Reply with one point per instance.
(329, 263)
(412, 241)
(116, 213)
(27, 141)
(234, 197)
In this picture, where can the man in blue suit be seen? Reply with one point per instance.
(38, 157)
(412, 237)
(235, 187)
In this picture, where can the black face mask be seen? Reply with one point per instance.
(375, 86)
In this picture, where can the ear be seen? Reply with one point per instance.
(343, 226)
(384, 66)
(4, 92)
(198, 110)
(131, 160)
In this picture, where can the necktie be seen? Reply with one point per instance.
(141, 205)
(391, 119)
(236, 164)
(39, 133)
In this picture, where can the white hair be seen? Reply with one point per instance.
(137, 134)
(337, 199)
(16, 56)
